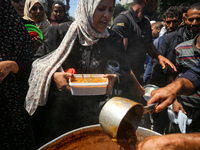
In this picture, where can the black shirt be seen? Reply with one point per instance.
(139, 35)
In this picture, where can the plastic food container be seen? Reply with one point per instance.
(88, 88)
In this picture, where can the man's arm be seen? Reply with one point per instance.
(185, 85)
(166, 95)
(171, 142)
(152, 51)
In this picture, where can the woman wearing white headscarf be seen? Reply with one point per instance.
(86, 47)
(34, 11)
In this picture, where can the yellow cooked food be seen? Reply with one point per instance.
(88, 80)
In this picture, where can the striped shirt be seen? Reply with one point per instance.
(187, 55)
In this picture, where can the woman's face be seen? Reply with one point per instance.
(58, 12)
(37, 13)
(19, 7)
(103, 14)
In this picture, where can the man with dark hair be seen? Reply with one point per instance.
(135, 28)
(187, 55)
(167, 48)
(172, 19)
(136, 31)
(171, 40)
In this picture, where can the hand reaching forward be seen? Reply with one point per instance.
(6, 67)
(60, 79)
(164, 61)
(111, 80)
(164, 96)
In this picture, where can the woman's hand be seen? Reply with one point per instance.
(6, 67)
(60, 79)
(111, 80)
(37, 42)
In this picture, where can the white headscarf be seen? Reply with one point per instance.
(46, 66)
(44, 25)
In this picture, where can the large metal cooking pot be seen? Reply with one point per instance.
(90, 138)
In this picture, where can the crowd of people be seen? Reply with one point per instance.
(36, 101)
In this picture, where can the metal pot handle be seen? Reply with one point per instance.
(149, 108)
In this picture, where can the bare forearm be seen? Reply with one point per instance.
(125, 41)
(152, 51)
(171, 142)
(168, 94)
(14, 68)
(186, 141)
(183, 86)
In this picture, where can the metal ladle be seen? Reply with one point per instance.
(118, 110)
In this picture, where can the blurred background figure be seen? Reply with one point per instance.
(34, 11)
(15, 64)
(156, 28)
(59, 14)
(19, 8)
(172, 20)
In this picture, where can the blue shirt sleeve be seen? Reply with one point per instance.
(193, 75)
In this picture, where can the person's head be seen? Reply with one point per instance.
(156, 27)
(37, 12)
(103, 14)
(19, 6)
(192, 19)
(184, 8)
(58, 10)
(172, 18)
(94, 14)
(149, 6)
(34, 10)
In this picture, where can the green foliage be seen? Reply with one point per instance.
(118, 9)
(71, 18)
(163, 5)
